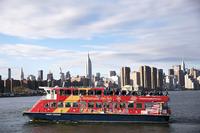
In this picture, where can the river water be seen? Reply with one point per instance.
(185, 118)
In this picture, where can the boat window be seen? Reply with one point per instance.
(60, 104)
(90, 105)
(62, 92)
(75, 92)
(117, 93)
(98, 105)
(48, 91)
(68, 92)
(123, 93)
(139, 105)
(122, 105)
(75, 105)
(165, 106)
(110, 93)
(105, 105)
(46, 105)
(67, 104)
(130, 105)
(83, 104)
(115, 105)
(148, 105)
(83, 92)
(90, 92)
(97, 92)
(53, 104)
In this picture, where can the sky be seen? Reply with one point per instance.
(49, 34)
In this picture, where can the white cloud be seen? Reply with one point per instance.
(85, 19)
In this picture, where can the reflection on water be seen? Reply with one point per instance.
(185, 118)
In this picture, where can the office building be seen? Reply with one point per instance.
(125, 76)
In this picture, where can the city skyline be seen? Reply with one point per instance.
(39, 36)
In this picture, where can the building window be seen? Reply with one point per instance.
(130, 105)
(90, 105)
(122, 105)
(60, 104)
(75, 105)
(98, 105)
(67, 104)
(139, 105)
(83, 92)
(75, 92)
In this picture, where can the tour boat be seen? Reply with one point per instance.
(99, 105)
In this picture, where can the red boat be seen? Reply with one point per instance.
(99, 105)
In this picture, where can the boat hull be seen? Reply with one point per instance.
(71, 117)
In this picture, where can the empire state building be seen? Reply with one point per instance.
(89, 70)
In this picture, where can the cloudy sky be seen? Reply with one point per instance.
(38, 34)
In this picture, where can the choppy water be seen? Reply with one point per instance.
(185, 118)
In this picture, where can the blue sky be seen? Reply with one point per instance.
(50, 34)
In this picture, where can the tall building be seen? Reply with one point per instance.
(141, 69)
(22, 74)
(183, 66)
(50, 76)
(125, 76)
(154, 77)
(9, 73)
(40, 75)
(147, 77)
(68, 75)
(171, 72)
(136, 80)
(89, 70)
(112, 73)
(180, 75)
(160, 78)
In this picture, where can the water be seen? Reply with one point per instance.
(185, 118)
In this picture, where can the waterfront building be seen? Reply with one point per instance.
(40, 75)
(189, 82)
(154, 77)
(68, 75)
(112, 73)
(89, 70)
(125, 76)
(141, 69)
(136, 80)
(180, 75)
(31, 77)
(147, 77)
(9, 73)
(22, 74)
(183, 66)
(160, 78)
(171, 72)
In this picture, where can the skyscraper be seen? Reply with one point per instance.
(112, 73)
(40, 75)
(153, 77)
(147, 77)
(183, 66)
(125, 76)
(141, 76)
(89, 70)
(22, 74)
(9, 73)
(160, 78)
